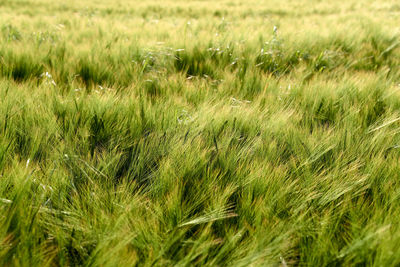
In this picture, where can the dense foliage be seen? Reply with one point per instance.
(199, 133)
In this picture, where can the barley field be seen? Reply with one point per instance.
(199, 133)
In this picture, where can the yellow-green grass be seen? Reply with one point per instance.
(218, 133)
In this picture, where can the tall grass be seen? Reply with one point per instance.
(199, 133)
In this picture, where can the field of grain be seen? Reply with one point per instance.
(191, 133)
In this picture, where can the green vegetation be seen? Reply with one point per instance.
(219, 133)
